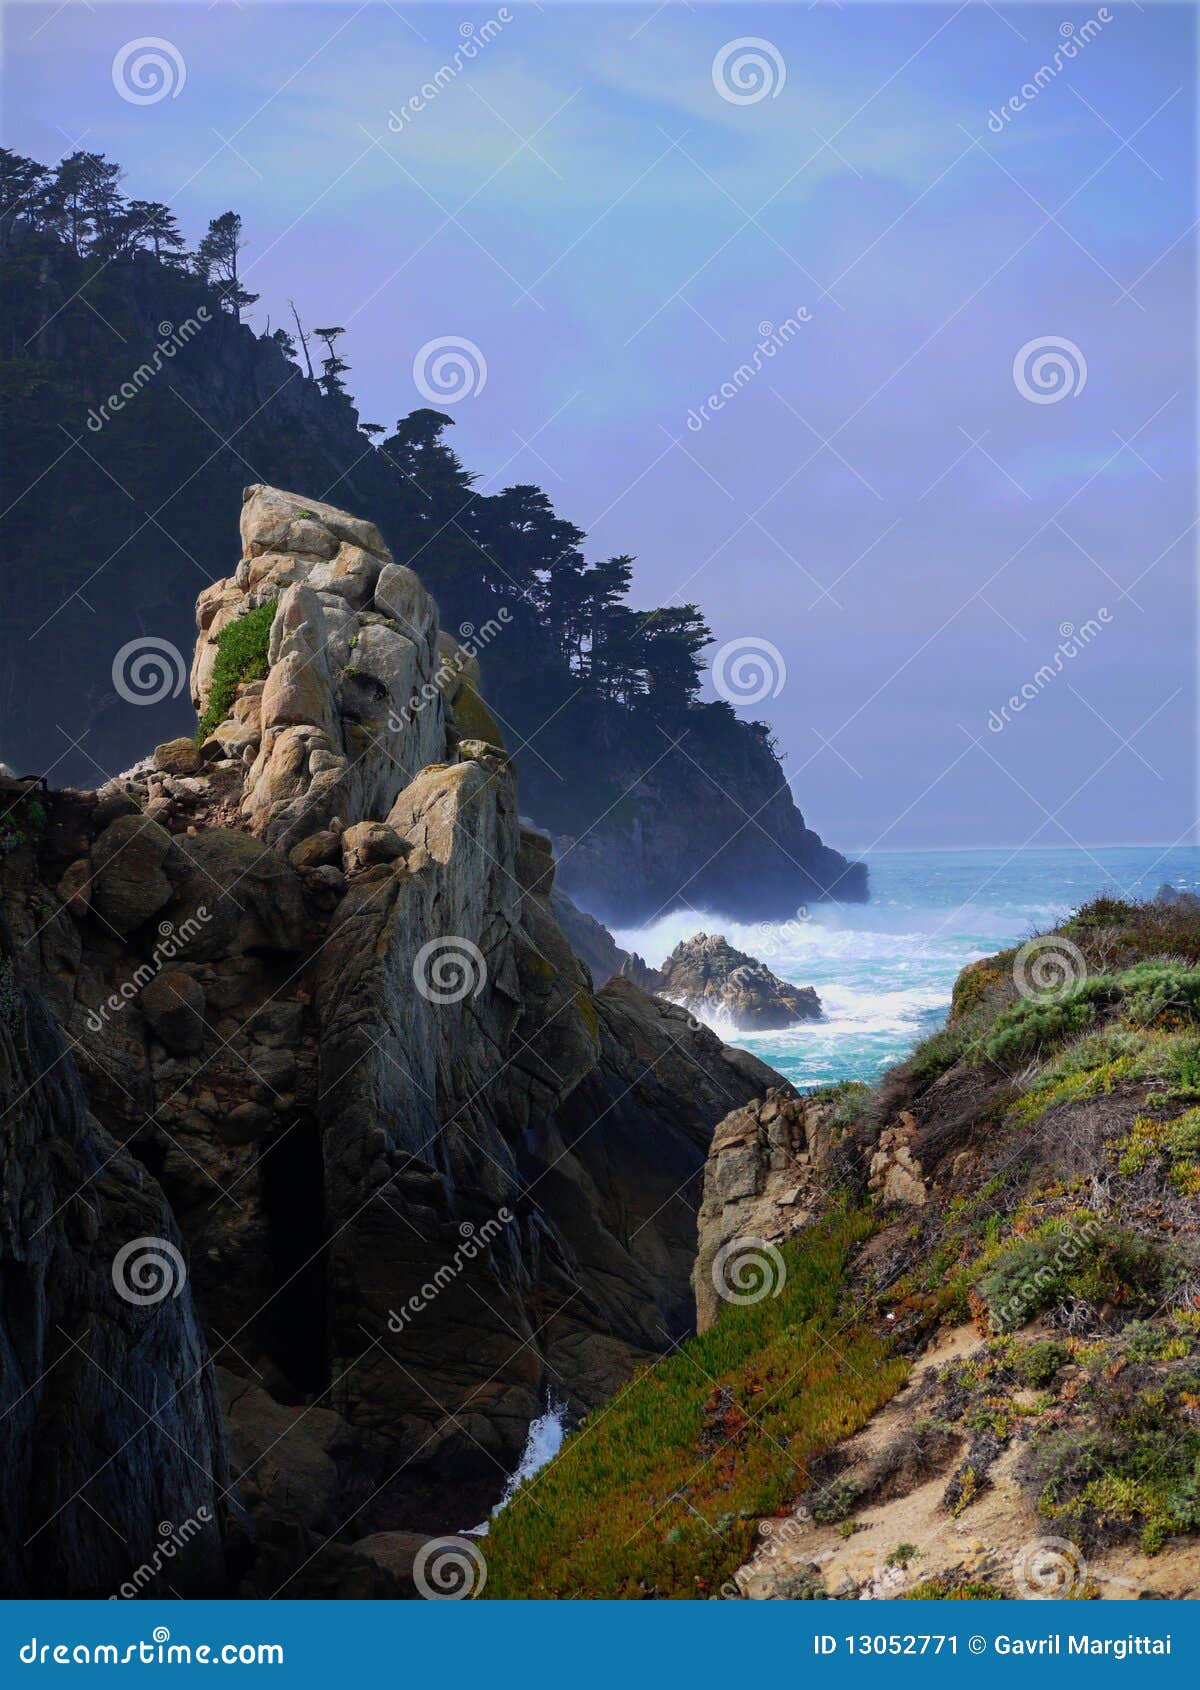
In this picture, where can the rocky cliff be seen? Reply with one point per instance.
(706, 823)
(339, 1056)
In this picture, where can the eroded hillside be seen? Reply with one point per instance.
(953, 1332)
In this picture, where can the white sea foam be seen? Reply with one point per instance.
(542, 1442)
(885, 970)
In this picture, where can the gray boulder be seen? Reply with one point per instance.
(708, 976)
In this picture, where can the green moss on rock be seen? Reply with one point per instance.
(242, 647)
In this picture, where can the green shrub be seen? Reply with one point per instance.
(972, 987)
(1036, 1363)
(1151, 989)
(850, 1099)
(1104, 911)
(1179, 1067)
(241, 656)
(1086, 1258)
(1173, 1145)
(1140, 1341)
(1138, 1473)
(834, 1501)
(936, 1054)
(1035, 1025)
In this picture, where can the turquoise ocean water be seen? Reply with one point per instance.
(884, 970)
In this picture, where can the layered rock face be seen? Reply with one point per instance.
(423, 1172)
(110, 1431)
(708, 976)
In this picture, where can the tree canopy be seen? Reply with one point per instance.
(504, 548)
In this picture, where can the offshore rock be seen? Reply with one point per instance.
(708, 976)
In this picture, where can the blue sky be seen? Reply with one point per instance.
(879, 501)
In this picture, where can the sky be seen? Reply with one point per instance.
(965, 472)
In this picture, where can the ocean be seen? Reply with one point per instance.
(884, 970)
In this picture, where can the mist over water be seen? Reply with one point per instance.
(884, 971)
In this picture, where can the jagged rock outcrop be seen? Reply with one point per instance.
(768, 1171)
(110, 1431)
(424, 1173)
(710, 977)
